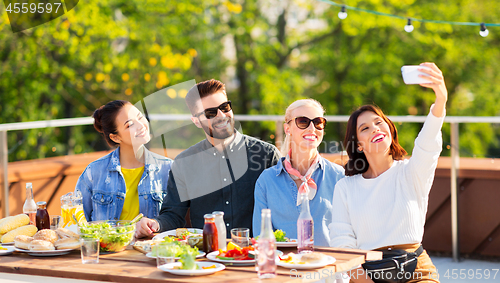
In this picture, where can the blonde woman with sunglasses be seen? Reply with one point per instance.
(301, 170)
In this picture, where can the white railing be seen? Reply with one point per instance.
(453, 120)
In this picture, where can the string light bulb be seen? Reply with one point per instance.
(342, 13)
(484, 31)
(409, 27)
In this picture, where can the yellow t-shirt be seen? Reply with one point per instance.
(131, 203)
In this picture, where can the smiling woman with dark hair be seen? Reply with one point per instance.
(131, 179)
(383, 203)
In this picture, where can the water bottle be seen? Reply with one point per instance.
(266, 248)
(29, 207)
(305, 227)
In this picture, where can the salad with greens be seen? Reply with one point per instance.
(172, 248)
(279, 235)
(114, 235)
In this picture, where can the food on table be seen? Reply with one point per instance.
(234, 252)
(114, 235)
(188, 258)
(65, 233)
(22, 242)
(11, 223)
(67, 243)
(146, 246)
(232, 246)
(306, 258)
(313, 257)
(27, 230)
(195, 240)
(280, 236)
(41, 245)
(181, 232)
(2, 248)
(46, 235)
(177, 250)
(5, 218)
(39, 241)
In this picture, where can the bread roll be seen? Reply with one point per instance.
(40, 245)
(67, 243)
(65, 233)
(313, 257)
(46, 235)
(22, 242)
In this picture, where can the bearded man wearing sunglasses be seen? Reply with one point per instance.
(216, 174)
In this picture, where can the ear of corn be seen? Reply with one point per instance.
(28, 230)
(6, 218)
(14, 222)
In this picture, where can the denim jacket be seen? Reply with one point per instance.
(102, 186)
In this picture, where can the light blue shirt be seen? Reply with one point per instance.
(103, 188)
(276, 190)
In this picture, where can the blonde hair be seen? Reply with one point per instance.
(285, 146)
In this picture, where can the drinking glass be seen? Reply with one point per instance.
(240, 236)
(55, 222)
(90, 250)
(165, 253)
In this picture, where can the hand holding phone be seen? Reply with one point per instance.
(411, 74)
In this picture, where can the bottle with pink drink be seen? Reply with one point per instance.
(266, 248)
(305, 227)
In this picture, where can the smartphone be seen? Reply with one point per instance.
(410, 74)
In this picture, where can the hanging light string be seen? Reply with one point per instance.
(343, 15)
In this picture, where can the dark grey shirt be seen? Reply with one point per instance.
(206, 180)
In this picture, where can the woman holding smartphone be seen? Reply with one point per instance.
(131, 179)
(382, 203)
(301, 170)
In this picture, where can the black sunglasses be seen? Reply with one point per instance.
(303, 122)
(212, 112)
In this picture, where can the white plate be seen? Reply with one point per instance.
(8, 250)
(287, 244)
(173, 233)
(326, 261)
(213, 256)
(201, 254)
(45, 253)
(169, 268)
(7, 244)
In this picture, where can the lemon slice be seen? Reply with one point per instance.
(232, 246)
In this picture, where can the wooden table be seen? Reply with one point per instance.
(133, 266)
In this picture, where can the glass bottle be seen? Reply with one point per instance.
(210, 239)
(42, 216)
(221, 229)
(29, 207)
(305, 227)
(266, 247)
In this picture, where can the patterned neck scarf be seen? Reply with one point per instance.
(308, 185)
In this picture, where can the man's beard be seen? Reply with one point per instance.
(221, 134)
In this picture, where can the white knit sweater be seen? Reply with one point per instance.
(389, 209)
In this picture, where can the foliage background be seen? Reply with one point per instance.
(268, 52)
